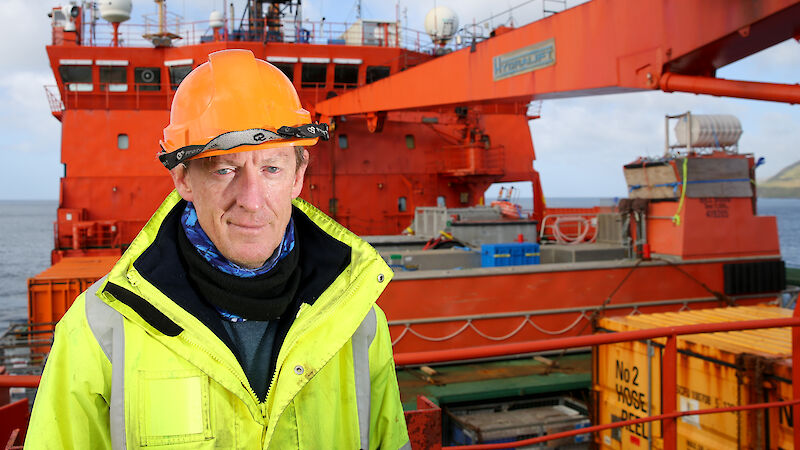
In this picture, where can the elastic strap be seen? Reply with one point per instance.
(253, 136)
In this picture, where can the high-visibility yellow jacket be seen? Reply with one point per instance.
(135, 362)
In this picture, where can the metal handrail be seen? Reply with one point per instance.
(54, 98)
(391, 34)
(669, 370)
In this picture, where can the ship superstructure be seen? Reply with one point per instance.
(370, 182)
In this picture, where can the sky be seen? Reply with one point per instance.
(581, 143)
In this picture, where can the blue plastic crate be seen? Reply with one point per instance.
(509, 254)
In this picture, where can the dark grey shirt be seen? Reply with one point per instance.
(254, 340)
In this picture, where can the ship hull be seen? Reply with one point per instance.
(441, 310)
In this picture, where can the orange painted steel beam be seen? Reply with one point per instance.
(669, 386)
(25, 381)
(786, 93)
(603, 46)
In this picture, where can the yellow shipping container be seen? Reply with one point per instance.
(714, 370)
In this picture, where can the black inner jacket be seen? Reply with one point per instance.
(321, 260)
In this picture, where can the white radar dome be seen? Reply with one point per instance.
(441, 24)
(115, 11)
(215, 20)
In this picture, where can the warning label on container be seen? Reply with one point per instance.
(688, 404)
(630, 395)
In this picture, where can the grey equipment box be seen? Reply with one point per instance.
(494, 232)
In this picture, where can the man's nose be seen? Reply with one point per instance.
(251, 189)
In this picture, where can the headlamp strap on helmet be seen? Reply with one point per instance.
(172, 159)
(233, 139)
(311, 130)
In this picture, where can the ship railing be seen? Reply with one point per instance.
(363, 33)
(108, 95)
(54, 99)
(90, 234)
(102, 235)
(540, 321)
(425, 424)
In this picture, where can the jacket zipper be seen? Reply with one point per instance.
(304, 307)
(131, 275)
(349, 292)
(221, 363)
(261, 406)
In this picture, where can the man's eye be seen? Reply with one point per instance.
(223, 171)
(273, 169)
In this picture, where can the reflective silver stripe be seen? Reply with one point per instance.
(406, 446)
(362, 339)
(107, 326)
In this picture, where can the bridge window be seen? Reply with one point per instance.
(343, 141)
(122, 141)
(113, 79)
(147, 78)
(345, 76)
(375, 73)
(314, 75)
(177, 74)
(76, 78)
(401, 204)
(287, 69)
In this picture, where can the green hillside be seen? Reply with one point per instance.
(785, 184)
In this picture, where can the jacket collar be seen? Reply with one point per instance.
(332, 255)
(345, 276)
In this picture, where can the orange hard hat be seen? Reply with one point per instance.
(235, 103)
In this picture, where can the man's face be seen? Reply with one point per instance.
(243, 200)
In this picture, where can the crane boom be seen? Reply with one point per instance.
(600, 47)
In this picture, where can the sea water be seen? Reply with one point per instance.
(26, 238)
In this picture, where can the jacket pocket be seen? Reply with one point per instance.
(173, 408)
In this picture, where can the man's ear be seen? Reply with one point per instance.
(299, 175)
(180, 177)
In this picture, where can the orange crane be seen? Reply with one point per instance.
(600, 47)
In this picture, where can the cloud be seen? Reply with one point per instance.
(581, 144)
(25, 119)
(24, 35)
(777, 64)
(31, 137)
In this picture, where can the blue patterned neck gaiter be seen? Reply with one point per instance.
(202, 243)
(209, 251)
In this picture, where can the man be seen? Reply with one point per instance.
(240, 316)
